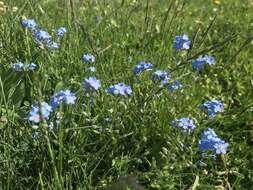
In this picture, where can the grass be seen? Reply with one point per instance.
(126, 142)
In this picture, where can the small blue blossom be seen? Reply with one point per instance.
(29, 23)
(45, 39)
(38, 113)
(184, 123)
(161, 76)
(23, 67)
(174, 86)
(60, 32)
(52, 45)
(88, 58)
(212, 107)
(18, 66)
(64, 96)
(221, 147)
(91, 84)
(31, 66)
(42, 36)
(182, 42)
(92, 69)
(140, 67)
(211, 142)
(120, 89)
(198, 64)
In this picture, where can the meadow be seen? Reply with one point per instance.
(126, 94)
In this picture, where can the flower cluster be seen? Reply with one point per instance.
(39, 112)
(91, 84)
(92, 69)
(60, 32)
(182, 42)
(140, 67)
(212, 107)
(43, 110)
(41, 37)
(66, 97)
(88, 58)
(184, 123)
(23, 67)
(44, 38)
(174, 86)
(29, 24)
(161, 76)
(201, 61)
(120, 89)
(211, 142)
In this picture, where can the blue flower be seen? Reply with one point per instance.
(66, 97)
(29, 23)
(31, 66)
(42, 36)
(184, 123)
(211, 142)
(61, 31)
(140, 67)
(18, 66)
(52, 45)
(212, 107)
(91, 84)
(92, 69)
(120, 89)
(23, 67)
(201, 61)
(88, 58)
(221, 147)
(182, 42)
(174, 86)
(38, 113)
(161, 76)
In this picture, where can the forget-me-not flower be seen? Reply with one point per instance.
(30, 24)
(212, 107)
(140, 67)
(174, 86)
(91, 84)
(18, 66)
(120, 89)
(60, 32)
(44, 38)
(88, 58)
(198, 64)
(184, 123)
(64, 96)
(182, 42)
(23, 67)
(92, 69)
(161, 76)
(31, 66)
(211, 142)
(39, 112)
